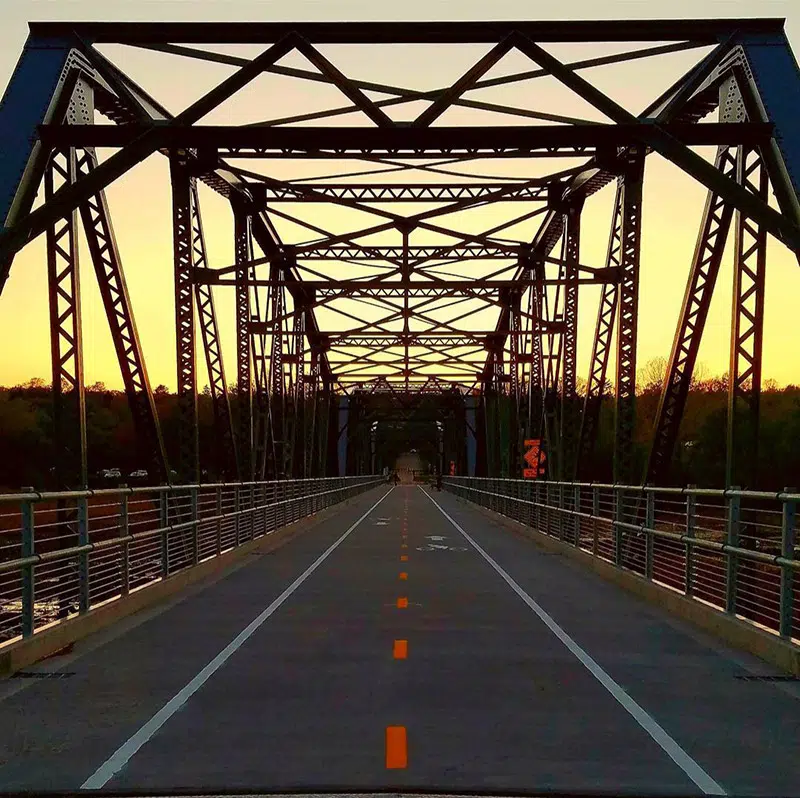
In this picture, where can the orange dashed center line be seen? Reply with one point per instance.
(403, 558)
(396, 747)
(400, 650)
(402, 603)
(403, 575)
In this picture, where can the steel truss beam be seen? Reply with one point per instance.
(601, 345)
(402, 192)
(703, 274)
(63, 280)
(747, 331)
(244, 373)
(627, 318)
(225, 439)
(569, 349)
(705, 31)
(518, 141)
(183, 242)
(114, 293)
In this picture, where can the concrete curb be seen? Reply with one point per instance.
(727, 628)
(57, 637)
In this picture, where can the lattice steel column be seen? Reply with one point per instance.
(277, 382)
(627, 321)
(225, 441)
(747, 330)
(703, 274)
(569, 349)
(188, 428)
(243, 252)
(601, 346)
(66, 344)
(114, 293)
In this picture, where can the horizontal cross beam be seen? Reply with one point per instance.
(708, 31)
(400, 141)
(399, 192)
(386, 288)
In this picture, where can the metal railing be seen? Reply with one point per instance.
(62, 554)
(735, 550)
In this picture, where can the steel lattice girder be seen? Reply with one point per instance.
(225, 438)
(188, 429)
(114, 293)
(63, 279)
(747, 333)
(697, 300)
(601, 347)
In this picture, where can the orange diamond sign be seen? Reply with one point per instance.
(534, 458)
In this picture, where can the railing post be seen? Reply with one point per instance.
(595, 522)
(649, 526)
(619, 507)
(28, 575)
(560, 511)
(83, 557)
(688, 576)
(164, 521)
(125, 549)
(219, 520)
(252, 512)
(732, 539)
(576, 508)
(195, 525)
(537, 500)
(236, 507)
(787, 574)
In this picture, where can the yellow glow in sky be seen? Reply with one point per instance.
(141, 205)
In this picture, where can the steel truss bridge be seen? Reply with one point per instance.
(337, 329)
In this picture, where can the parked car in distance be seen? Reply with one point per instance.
(140, 473)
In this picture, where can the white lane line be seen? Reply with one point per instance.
(647, 722)
(128, 749)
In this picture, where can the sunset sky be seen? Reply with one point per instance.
(141, 204)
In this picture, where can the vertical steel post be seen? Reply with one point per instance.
(569, 349)
(195, 525)
(66, 340)
(649, 527)
(244, 375)
(183, 261)
(601, 345)
(747, 329)
(732, 539)
(787, 573)
(28, 573)
(237, 506)
(619, 515)
(83, 557)
(164, 521)
(561, 511)
(125, 546)
(219, 520)
(627, 317)
(577, 509)
(595, 522)
(688, 577)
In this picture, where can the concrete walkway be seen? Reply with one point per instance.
(408, 643)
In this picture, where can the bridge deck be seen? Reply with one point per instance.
(522, 672)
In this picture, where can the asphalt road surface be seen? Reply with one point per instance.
(406, 641)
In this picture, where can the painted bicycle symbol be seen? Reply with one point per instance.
(437, 544)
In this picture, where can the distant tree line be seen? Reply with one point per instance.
(26, 432)
(27, 448)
